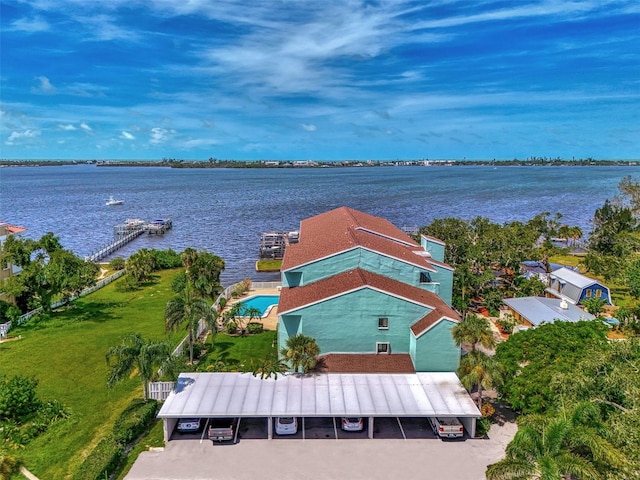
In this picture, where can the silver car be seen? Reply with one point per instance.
(352, 424)
(187, 425)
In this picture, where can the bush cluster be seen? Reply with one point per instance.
(254, 327)
(108, 454)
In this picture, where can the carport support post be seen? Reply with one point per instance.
(270, 428)
(370, 430)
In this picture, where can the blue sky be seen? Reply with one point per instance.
(324, 80)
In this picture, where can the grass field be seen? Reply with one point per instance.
(66, 353)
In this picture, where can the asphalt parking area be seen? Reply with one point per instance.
(292, 459)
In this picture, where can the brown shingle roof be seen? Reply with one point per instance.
(293, 298)
(442, 310)
(345, 228)
(366, 363)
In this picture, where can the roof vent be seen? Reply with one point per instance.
(564, 305)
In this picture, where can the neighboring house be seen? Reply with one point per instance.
(574, 287)
(534, 311)
(535, 268)
(8, 270)
(360, 286)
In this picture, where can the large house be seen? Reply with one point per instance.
(374, 299)
(573, 287)
(8, 270)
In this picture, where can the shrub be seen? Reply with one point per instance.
(507, 323)
(127, 284)
(222, 303)
(254, 327)
(18, 397)
(482, 426)
(231, 328)
(165, 259)
(117, 263)
(8, 312)
(134, 420)
(102, 460)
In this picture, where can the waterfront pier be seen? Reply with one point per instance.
(128, 231)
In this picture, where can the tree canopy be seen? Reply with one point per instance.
(48, 270)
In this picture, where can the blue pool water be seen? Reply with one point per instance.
(261, 302)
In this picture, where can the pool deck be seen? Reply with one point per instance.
(270, 322)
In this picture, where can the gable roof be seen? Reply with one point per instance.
(538, 310)
(294, 298)
(343, 229)
(569, 284)
(573, 277)
(429, 320)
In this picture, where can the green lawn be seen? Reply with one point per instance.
(66, 353)
(239, 353)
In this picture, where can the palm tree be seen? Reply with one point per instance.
(301, 352)
(473, 329)
(565, 446)
(477, 369)
(134, 354)
(188, 308)
(268, 368)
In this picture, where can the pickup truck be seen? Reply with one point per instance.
(447, 427)
(221, 429)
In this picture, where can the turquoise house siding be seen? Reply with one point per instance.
(435, 350)
(435, 249)
(324, 268)
(349, 323)
(442, 280)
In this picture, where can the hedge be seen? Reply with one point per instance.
(105, 458)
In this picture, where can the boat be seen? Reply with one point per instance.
(113, 201)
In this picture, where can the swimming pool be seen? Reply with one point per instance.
(262, 303)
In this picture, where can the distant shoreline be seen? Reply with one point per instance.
(274, 164)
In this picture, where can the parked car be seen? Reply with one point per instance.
(188, 425)
(221, 429)
(446, 427)
(286, 425)
(352, 424)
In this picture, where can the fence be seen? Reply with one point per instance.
(101, 283)
(160, 390)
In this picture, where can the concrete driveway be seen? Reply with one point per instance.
(330, 459)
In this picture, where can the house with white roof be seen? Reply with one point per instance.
(534, 311)
(573, 287)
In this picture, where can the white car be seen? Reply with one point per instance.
(286, 425)
(352, 424)
(186, 425)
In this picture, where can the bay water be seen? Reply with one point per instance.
(226, 210)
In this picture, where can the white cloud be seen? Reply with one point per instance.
(159, 135)
(308, 127)
(67, 128)
(127, 135)
(44, 86)
(85, 127)
(29, 25)
(18, 135)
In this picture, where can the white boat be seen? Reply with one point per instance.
(113, 201)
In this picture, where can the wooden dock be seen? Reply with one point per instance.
(128, 231)
(273, 244)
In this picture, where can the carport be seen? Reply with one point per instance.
(368, 395)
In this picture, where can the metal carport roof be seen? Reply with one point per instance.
(233, 394)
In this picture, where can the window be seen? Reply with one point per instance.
(383, 347)
(383, 323)
(425, 277)
(598, 293)
(588, 293)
